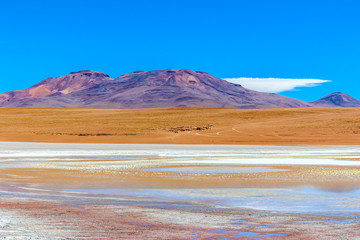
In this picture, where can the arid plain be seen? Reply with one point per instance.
(292, 126)
(179, 173)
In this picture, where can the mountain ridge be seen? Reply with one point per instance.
(144, 89)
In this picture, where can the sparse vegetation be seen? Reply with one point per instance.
(189, 128)
(182, 125)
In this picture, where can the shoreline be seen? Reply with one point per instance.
(134, 191)
(186, 144)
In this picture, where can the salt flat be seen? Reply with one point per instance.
(149, 188)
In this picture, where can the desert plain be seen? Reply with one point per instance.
(179, 173)
(284, 126)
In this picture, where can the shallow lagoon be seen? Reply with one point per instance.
(199, 161)
(322, 182)
(298, 200)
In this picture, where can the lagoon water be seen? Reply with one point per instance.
(197, 161)
(187, 154)
(309, 200)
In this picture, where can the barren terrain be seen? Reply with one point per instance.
(293, 126)
(111, 191)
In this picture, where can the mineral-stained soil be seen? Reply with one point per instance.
(51, 219)
(97, 191)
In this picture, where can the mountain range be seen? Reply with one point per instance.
(153, 89)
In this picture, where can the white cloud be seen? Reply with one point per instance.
(275, 85)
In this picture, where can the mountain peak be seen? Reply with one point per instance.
(72, 82)
(89, 73)
(174, 77)
(143, 89)
(337, 99)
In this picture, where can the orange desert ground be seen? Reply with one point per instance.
(293, 126)
(179, 173)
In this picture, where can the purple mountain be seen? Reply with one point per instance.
(45, 90)
(143, 89)
(337, 99)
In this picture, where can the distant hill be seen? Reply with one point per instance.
(337, 99)
(143, 89)
(43, 93)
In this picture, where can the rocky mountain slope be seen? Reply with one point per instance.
(337, 99)
(54, 86)
(143, 89)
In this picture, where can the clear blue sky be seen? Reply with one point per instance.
(227, 38)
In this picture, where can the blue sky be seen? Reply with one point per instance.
(290, 39)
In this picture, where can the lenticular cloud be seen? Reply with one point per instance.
(275, 85)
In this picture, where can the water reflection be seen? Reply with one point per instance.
(299, 200)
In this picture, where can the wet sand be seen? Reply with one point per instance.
(109, 191)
